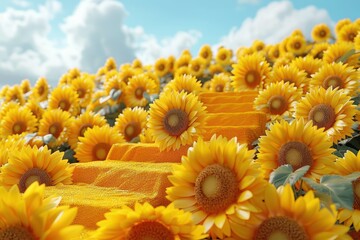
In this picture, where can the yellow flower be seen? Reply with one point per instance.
(330, 109)
(84, 87)
(348, 32)
(185, 70)
(298, 144)
(250, 72)
(216, 69)
(18, 120)
(296, 45)
(182, 61)
(318, 50)
(278, 99)
(8, 147)
(289, 74)
(337, 50)
(220, 83)
(258, 46)
(171, 63)
(32, 216)
(35, 108)
(340, 24)
(244, 51)
(134, 91)
(55, 122)
(223, 56)
(205, 53)
(285, 217)
(131, 122)
(126, 73)
(284, 60)
(114, 83)
(337, 75)
(96, 143)
(321, 32)
(137, 63)
(33, 164)
(147, 222)
(197, 67)
(220, 183)
(146, 137)
(110, 64)
(309, 64)
(161, 67)
(3, 90)
(41, 89)
(186, 82)
(66, 99)
(176, 119)
(5, 107)
(25, 86)
(273, 52)
(357, 42)
(15, 94)
(349, 164)
(78, 127)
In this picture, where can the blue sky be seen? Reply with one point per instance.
(52, 36)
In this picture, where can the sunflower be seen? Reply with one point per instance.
(161, 67)
(357, 42)
(31, 216)
(297, 32)
(348, 32)
(330, 109)
(220, 183)
(285, 217)
(197, 67)
(66, 99)
(337, 75)
(296, 45)
(33, 164)
(298, 144)
(284, 60)
(114, 83)
(250, 72)
(185, 70)
(147, 222)
(84, 87)
(176, 119)
(35, 108)
(206, 85)
(186, 82)
(206, 54)
(289, 74)
(126, 73)
(340, 24)
(321, 32)
(78, 127)
(73, 74)
(273, 53)
(15, 94)
(318, 50)
(98, 102)
(258, 45)
(182, 61)
(9, 146)
(110, 64)
(309, 64)
(278, 100)
(55, 122)
(146, 137)
(41, 89)
(136, 63)
(152, 75)
(216, 69)
(134, 91)
(3, 91)
(25, 86)
(171, 62)
(131, 122)
(339, 49)
(5, 107)
(243, 51)
(223, 56)
(96, 143)
(18, 120)
(349, 164)
(220, 83)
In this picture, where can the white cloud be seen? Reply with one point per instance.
(93, 32)
(274, 22)
(21, 3)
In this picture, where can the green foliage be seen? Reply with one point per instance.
(284, 174)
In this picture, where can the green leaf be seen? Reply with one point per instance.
(135, 139)
(29, 137)
(48, 138)
(150, 97)
(342, 149)
(339, 188)
(115, 94)
(346, 56)
(69, 156)
(284, 174)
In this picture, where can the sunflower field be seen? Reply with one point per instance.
(259, 143)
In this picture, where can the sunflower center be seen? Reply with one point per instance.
(223, 57)
(16, 233)
(297, 154)
(252, 78)
(219, 88)
(34, 175)
(101, 150)
(139, 92)
(41, 90)
(176, 122)
(276, 53)
(64, 105)
(131, 130)
(18, 128)
(55, 129)
(297, 45)
(319, 55)
(351, 36)
(205, 55)
(277, 104)
(196, 68)
(322, 115)
(280, 228)
(356, 190)
(161, 67)
(83, 129)
(216, 188)
(322, 33)
(81, 92)
(150, 230)
(332, 81)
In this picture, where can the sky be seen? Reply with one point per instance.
(46, 38)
